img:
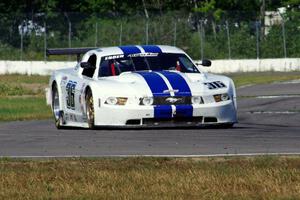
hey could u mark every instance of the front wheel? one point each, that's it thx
(58, 115)
(90, 112)
(227, 125)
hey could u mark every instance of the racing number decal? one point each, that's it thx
(70, 97)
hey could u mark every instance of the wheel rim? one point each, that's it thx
(56, 104)
(90, 109)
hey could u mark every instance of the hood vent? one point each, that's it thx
(215, 85)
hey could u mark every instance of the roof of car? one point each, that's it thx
(132, 49)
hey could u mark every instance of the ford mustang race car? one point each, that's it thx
(139, 86)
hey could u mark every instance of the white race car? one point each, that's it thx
(139, 86)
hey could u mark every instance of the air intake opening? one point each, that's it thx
(133, 122)
(210, 119)
(173, 121)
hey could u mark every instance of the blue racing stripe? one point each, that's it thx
(162, 111)
(157, 86)
(151, 49)
(127, 50)
(179, 83)
(184, 111)
(156, 83)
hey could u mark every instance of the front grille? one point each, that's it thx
(176, 100)
(210, 119)
(173, 121)
(133, 122)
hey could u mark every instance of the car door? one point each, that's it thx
(74, 92)
(71, 89)
(84, 80)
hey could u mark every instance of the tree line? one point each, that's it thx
(126, 20)
(213, 8)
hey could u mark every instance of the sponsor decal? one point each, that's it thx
(113, 57)
(70, 94)
(143, 55)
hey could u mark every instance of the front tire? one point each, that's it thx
(57, 113)
(227, 125)
(90, 112)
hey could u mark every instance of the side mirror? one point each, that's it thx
(86, 65)
(206, 63)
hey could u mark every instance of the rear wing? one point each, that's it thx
(69, 51)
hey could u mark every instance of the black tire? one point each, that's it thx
(58, 114)
(227, 125)
(90, 112)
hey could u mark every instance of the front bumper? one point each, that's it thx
(143, 116)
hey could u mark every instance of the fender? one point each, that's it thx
(57, 78)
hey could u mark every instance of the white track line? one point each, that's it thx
(149, 155)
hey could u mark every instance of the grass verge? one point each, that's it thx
(151, 178)
(22, 97)
(18, 85)
(23, 108)
(254, 78)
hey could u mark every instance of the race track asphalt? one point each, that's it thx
(269, 123)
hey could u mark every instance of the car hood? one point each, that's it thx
(148, 83)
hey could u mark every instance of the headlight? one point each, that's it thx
(225, 97)
(221, 97)
(116, 100)
(197, 100)
(147, 101)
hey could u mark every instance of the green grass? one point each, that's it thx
(151, 178)
(23, 108)
(252, 78)
(19, 79)
(19, 85)
(23, 97)
(16, 90)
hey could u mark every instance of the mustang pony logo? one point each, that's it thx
(172, 99)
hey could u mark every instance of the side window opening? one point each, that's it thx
(89, 72)
(189, 66)
(109, 68)
(112, 67)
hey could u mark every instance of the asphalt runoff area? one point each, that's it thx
(269, 123)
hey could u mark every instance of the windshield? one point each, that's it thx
(116, 64)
